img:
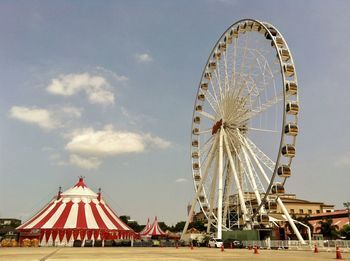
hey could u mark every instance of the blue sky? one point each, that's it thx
(125, 73)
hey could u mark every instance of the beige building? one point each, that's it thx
(295, 206)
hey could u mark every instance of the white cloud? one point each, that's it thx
(71, 112)
(108, 142)
(83, 162)
(180, 180)
(117, 77)
(95, 87)
(143, 58)
(45, 118)
(41, 117)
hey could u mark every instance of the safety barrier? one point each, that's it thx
(324, 245)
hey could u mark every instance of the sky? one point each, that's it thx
(105, 90)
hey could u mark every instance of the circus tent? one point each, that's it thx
(76, 214)
(153, 230)
(146, 228)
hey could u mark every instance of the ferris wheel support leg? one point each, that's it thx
(290, 220)
(235, 175)
(220, 193)
(251, 177)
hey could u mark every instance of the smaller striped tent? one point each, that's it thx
(148, 226)
(153, 230)
(76, 214)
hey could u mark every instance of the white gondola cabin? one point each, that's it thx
(201, 97)
(271, 205)
(288, 150)
(292, 108)
(207, 75)
(277, 188)
(195, 131)
(195, 155)
(197, 120)
(263, 219)
(222, 47)
(195, 143)
(291, 129)
(199, 108)
(195, 166)
(291, 88)
(284, 54)
(284, 171)
(288, 69)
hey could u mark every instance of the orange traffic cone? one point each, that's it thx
(337, 253)
(256, 250)
(316, 249)
(222, 248)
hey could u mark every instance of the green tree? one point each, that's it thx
(302, 229)
(327, 229)
(163, 226)
(345, 232)
(199, 225)
(179, 227)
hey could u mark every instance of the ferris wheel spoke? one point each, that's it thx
(212, 195)
(259, 129)
(264, 107)
(207, 115)
(259, 156)
(213, 102)
(218, 79)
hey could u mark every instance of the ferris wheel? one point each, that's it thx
(244, 128)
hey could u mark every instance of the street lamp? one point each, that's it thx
(347, 206)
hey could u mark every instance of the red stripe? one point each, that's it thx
(82, 234)
(81, 222)
(48, 216)
(36, 216)
(117, 216)
(68, 234)
(61, 235)
(61, 221)
(99, 221)
(54, 235)
(117, 225)
(47, 235)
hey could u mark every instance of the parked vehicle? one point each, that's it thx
(233, 242)
(215, 242)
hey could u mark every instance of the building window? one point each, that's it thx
(328, 210)
(292, 211)
(301, 211)
(309, 211)
(318, 211)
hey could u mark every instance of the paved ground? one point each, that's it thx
(155, 254)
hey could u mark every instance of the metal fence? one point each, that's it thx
(327, 245)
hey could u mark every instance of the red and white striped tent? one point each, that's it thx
(78, 213)
(146, 228)
(153, 230)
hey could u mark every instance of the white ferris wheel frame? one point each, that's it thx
(221, 141)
